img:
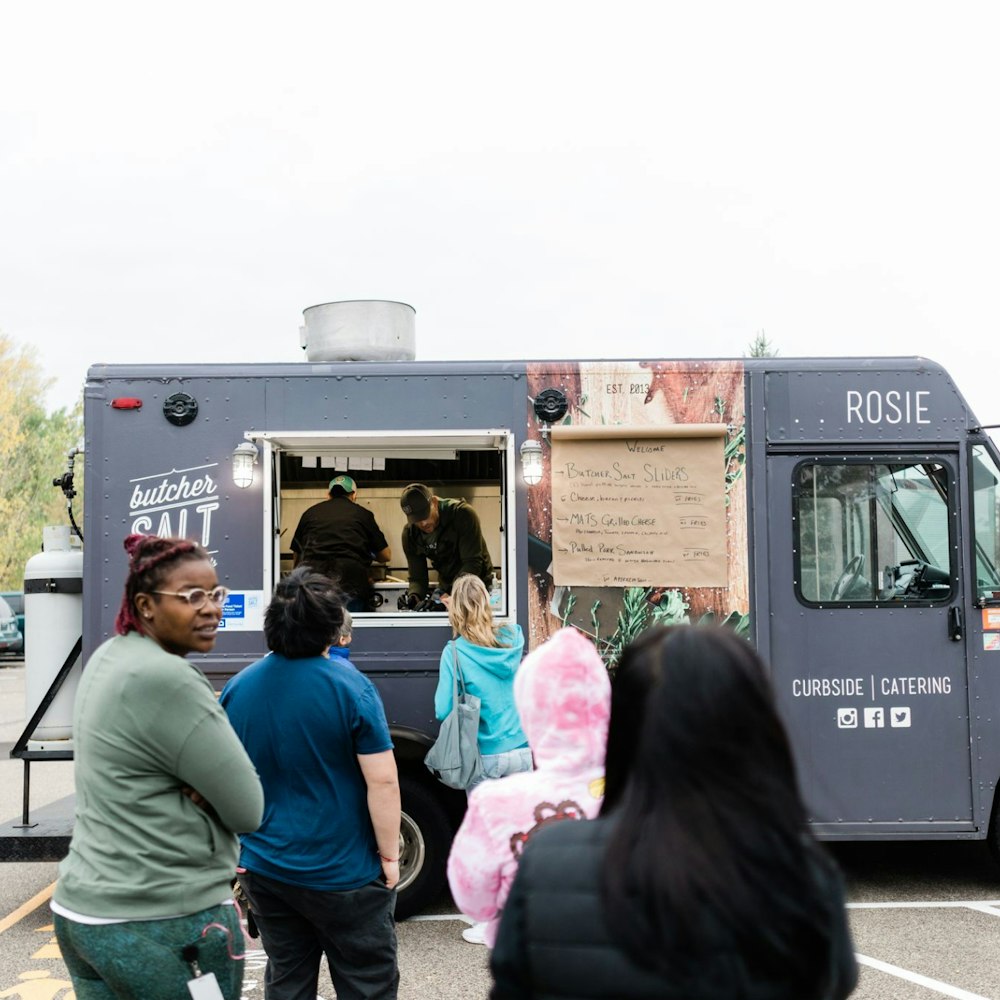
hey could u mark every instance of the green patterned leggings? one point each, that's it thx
(141, 959)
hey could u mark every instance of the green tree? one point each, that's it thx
(33, 449)
(761, 347)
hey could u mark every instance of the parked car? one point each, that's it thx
(11, 637)
(15, 598)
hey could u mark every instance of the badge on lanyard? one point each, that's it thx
(201, 987)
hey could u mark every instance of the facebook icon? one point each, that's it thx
(874, 718)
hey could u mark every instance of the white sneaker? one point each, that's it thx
(476, 934)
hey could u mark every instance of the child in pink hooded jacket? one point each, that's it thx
(563, 695)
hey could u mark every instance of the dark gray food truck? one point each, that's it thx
(842, 513)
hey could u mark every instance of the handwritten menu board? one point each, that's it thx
(639, 506)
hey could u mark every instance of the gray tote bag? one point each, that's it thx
(454, 759)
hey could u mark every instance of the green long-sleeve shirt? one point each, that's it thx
(145, 724)
(454, 547)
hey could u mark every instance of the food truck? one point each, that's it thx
(841, 513)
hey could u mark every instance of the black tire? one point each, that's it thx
(425, 839)
(993, 831)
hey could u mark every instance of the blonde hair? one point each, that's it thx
(470, 614)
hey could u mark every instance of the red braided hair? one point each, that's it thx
(150, 560)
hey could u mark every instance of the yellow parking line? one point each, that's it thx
(25, 908)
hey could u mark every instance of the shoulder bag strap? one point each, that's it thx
(459, 679)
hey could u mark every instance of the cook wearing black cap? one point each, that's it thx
(340, 538)
(447, 533)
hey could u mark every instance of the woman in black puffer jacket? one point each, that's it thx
(700, 879)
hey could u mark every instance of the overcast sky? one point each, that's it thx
(177, 182)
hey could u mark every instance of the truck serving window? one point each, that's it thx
(469, 465)
(986, 528)
(872, 532)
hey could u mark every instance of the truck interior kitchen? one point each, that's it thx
(468, 465)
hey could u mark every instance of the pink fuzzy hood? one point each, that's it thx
(563, 696)
(564, 699)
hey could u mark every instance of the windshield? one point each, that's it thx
(986, 529)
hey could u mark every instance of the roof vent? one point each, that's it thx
(359, 330)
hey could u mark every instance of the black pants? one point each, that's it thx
(354, 929)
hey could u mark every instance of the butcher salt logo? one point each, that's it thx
(178, 503)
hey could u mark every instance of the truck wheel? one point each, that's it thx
(425, 838)
(993, 833)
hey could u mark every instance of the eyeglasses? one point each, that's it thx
(197, 597)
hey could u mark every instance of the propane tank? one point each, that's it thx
(53, 621)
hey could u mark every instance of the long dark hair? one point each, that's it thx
(151, 560)
(305, 614)
(709, 839)
(637, 675)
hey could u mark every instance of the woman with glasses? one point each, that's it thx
(163, 786)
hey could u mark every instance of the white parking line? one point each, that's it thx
(914, 977)
(439, 916)
(974, 904)
(988, 906)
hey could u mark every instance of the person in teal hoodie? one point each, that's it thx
(489, 655)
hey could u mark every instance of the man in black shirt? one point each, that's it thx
(447, 533)
(340, 538)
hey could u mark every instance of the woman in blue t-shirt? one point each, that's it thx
(320, 870)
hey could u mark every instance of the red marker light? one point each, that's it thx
(126, 403)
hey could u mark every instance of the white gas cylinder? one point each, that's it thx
(53, 621)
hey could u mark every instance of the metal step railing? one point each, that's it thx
(20, 748)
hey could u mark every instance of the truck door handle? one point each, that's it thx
(955, 624)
